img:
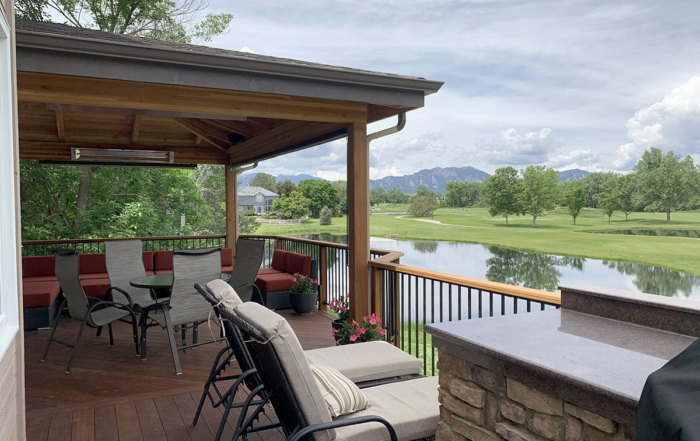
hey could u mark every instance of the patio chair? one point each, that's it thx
(249, 257)
(90, 311)
(185, 309)
(367, 364)
(124, 259)
(406, 410)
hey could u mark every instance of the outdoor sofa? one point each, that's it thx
(275, 282)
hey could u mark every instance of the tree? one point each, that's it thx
(344, 206)
(609, 199)
(665, 181)
(423, 190)
(377, 196)
(342, 188)
(320, 193)
(285, 187)
(247, 224)
(326, 215)
(293, 206)
(593, 186)
(575, 200)
(503, 191)
(463, 194)
(159, 19)
(627, 192)
(265, 181)
(422, 206)
(539, 190)
(395, 196)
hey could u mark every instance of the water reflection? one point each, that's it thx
(539, 271)
(693, 234)
(657, 280)
(425, 247)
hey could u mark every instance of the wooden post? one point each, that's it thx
(358, 219)
(322, 279)
(231, 208)
(378, 292)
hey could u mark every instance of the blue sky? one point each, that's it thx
(570, 84)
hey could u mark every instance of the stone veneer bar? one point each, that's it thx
(570, 374)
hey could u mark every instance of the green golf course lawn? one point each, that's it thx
(555, 233)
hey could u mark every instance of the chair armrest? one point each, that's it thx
(296, 436)
(109, 295)
(256, 290)
(108, 303)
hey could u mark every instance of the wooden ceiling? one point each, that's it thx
(54, 117)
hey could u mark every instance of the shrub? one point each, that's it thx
(423, 206)
(325, 218)
(249, 213)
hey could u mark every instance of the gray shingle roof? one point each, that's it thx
(252, 191)
(29, 26)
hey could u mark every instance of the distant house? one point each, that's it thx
(257, 199)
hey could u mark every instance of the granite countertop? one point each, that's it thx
(604, 356)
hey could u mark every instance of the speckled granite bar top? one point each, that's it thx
(603, 356)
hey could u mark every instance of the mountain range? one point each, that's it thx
(435, 178)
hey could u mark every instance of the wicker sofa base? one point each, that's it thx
(276, 299)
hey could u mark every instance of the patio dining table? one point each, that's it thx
(164, 281)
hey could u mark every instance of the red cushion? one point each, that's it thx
(299, 263)
(226, 257)
(38, 266)
(39, 294)
(93, 264)
(163, 271)
(95, 287)
(148, 260)
(149, 273)
(40, 279)
(227, 269)
(94, 276)
(279, 260)
(274, 282)
(267, 271)
(163, 261)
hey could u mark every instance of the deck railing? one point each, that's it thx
(405, 297)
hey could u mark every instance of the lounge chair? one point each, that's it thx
(399, 411)
(367, 364)
(91, 311)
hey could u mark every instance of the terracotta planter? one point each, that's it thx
(303, 303)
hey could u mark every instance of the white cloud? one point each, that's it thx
(378, 173)
(333, 175)
(670, 124)
(513, 148)
(246, 49)
(574, 159)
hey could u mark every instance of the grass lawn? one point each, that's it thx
(554, 233)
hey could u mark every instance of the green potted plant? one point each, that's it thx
(341, 308)
(303, 294)
(369, 329)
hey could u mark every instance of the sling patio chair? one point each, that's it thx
(249, 258)
(185, 309)
(366, 364)
(124, 259)
(90, 311)
(399, 411)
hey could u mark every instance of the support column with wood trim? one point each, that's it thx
(231, 208)
(358, 219)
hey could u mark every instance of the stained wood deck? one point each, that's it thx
(111, 395)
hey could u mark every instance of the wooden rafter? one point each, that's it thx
(38, 87)
(201, 131)
(135, 129)
(60, 126)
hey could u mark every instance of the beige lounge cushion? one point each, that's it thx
(366, 361)
(342, 396)
(224, 293)
(411, 407)
(293, 361)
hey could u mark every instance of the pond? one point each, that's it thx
(693, 234)
(534, 270)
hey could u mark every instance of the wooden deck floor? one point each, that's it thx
(111, 395)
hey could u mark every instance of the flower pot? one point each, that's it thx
(337, 324)
(303, 302)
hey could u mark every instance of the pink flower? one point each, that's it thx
(382, 332)
(354, 323)
(379, 320)
(364, 319)
(302, 277)
(334, 331)
(353, 337)
(362, 330)
(372, 321)
(343, 309)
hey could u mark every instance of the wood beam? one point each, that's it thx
(282, 137)
(135, 129)
(60, 126)
(60, 151)
(198, 140)
(51, 88)
(196, 128)
(358, 220)
(231, 184)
